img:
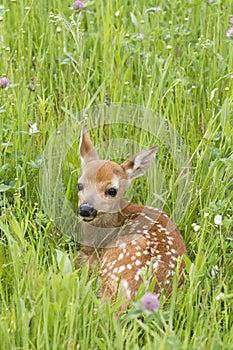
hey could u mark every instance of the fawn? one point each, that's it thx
(127, 238)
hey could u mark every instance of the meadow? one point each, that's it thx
(174, 58)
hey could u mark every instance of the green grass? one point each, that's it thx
(60, 61)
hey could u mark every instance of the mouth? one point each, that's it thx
(89, 219)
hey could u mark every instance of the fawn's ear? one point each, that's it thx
(138, 164)
(86, 149)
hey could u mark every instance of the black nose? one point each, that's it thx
(87, 211)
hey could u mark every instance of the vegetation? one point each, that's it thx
(174, 58)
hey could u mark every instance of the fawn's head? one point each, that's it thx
(103, 183)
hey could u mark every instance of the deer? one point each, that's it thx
(125, 239)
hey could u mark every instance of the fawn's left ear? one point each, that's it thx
(138, 164)
(86, 149)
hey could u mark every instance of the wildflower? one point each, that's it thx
(220, 296)
(196, 228)
(231, 20)
(33, 129)
(218, 219)
(150, 301)
(4, 82)
(210, 1)
(229, 33)
(157, 8)
(214, 271)
(79, 5)
(140, 36)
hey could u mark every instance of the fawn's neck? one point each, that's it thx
(108, 226)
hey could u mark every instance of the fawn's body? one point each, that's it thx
(126, 239)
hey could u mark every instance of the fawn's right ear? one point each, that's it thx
(86, 149)
(139, 164)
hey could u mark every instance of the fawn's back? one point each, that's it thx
(128, 240)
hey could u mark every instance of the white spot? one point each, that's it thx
(129, 266)
(138, 247)
(122, 245)
(121, 256)
(138, 253)
(125, 283)
(145, 226)
(121, 268)
(140, 271)
(104, 261)
(145, 252)
(148, 218)
(133, 257)
(138, 262)
(136, 278)
(173, 251)
(104, 271)
(172, 265)
(133, 242)
(155, 265)
(127, 291)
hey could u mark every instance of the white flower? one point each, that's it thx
(220, 296)
(214, 271)
(218, 219)
(196, 228)
(33, 129)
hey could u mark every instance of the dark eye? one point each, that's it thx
(112, 192)
(80, 187)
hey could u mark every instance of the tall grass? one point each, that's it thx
(60, 61)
